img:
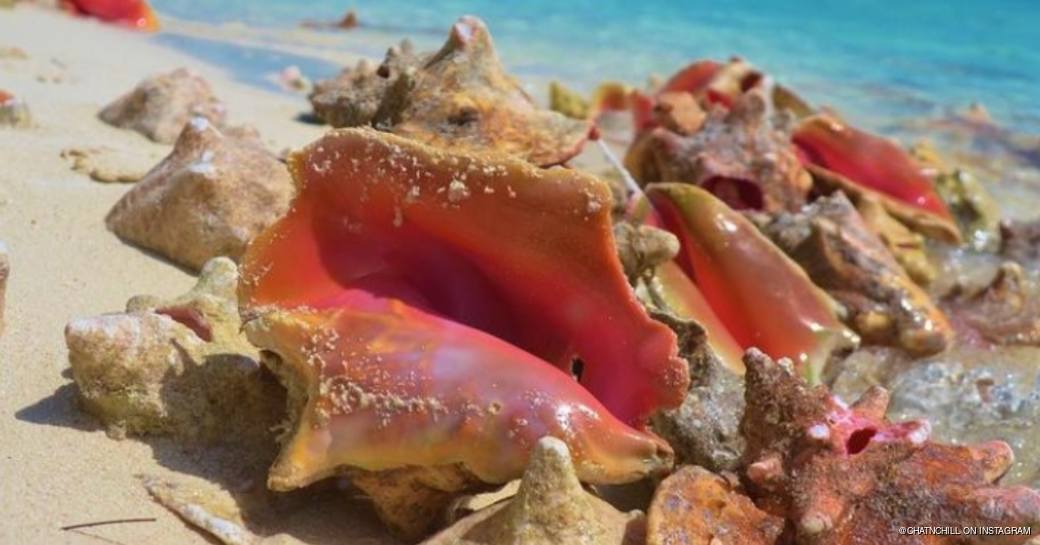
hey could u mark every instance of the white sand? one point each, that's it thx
(57, 467)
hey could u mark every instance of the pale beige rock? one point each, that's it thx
(160, 105)
(179, 367)
(208, 198)
(550, 508)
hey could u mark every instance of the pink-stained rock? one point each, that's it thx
(208, 198)
(160, 105)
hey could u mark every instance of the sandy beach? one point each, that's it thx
(59, 468)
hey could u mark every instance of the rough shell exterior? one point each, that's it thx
(697, 507)
(832, 243)
(1005, 312)
(208, 198)
(458, 98)
(738, 155)
(353, 97)
(179, 367)
(845, 475)
(160, 105)
(704, 430)
(550, 508)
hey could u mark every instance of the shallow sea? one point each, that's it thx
(877, 62)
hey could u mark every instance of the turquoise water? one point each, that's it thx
(878, 62)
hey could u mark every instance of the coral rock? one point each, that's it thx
(832, 243)
(737, 155)
(696, 507)
(160, 105)
(13, 111)
(178, 367)
(208, 198)
(840, 473)
(550, 508)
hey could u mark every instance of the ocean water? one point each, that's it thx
(877, 62)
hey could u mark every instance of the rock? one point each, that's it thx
(694, 506)
(160, 105)
(208, 198)
(14, 112)
(550, 508)
(179, 367)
